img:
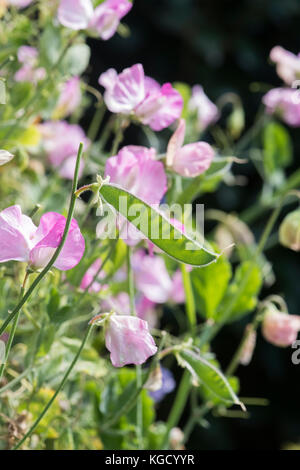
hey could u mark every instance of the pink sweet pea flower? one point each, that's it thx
(21, 240)
(128, 340)
(107, 16)
(287, 64)
(188, 160)
(131, 92)
(207, 111)
(29, 72)
(89, 276)
(145, 308)
(286, 103)
(69, 99)
(60, 141)
(75, 14)
(280, 329)
(153, 279)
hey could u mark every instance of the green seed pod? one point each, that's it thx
(289, 231)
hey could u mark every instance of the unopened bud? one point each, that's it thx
(289, 231)
(249, 346)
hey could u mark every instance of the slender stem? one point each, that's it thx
(96, 122)
(190, 301)
(61, 385)
(13, 329)
(35, 283)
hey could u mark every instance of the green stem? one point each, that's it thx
(13, 330)
(190, 301)
(35, 283)
(61, 385)
(96, 122)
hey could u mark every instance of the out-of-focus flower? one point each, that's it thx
(128, 340)
(286, 103)
(287, 64)
(131, 92)
(5, 157)
(188, 160)
(60, 141)
(107, 17)
(29, 72)
(153, 279)
(19, 3)
(176, 439)
(136, 170)
(289, 231)
(145, 310)
(207, 111)
(87, 279)
(69, 98)
(21, 240)
(103, 21)
(168, 385)
(279, 328)
(249, 346)
(120, 303)
(75, 14)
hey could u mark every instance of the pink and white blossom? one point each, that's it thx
(107, 16)
(285, 102)
(130, 92)
(188, 160)
(75, 14)
(287, 64)
(29, 72)
(69, 98)
(19, 3)
(207, 112)
(153, 280)
(21, 240)
(128, 340)
(60, 141)
(280, 329)
(87, 279)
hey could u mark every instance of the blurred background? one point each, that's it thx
(224, 46)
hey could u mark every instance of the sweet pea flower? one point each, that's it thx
(5, 157)
(286, 103)
(128, 340)
(75, 14)
(188, 160)
(21, 240)
(69, 99)
(132, 93)
(145, 308)
(280, 329)
(29, 72)
(207, 111)
(103, 21)
(153, 279)
(107, 17)
(287, 64)
(60, 141)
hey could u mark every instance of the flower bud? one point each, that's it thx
(176, 439)
(279, 328)
(249, 346)
(289, 231)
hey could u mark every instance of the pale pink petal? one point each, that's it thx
(75, 14)
(207, 111)
(16, 234)
(193, 159)
(280, 329)
(128, 340)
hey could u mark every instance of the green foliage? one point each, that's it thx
(278, 149)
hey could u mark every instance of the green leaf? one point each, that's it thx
(150, 221)
(50, 45)
(277, 147)
(76, 59)
(185, 90)
(246, 292)
(210, 285)
(206, 373)
(209, 396)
